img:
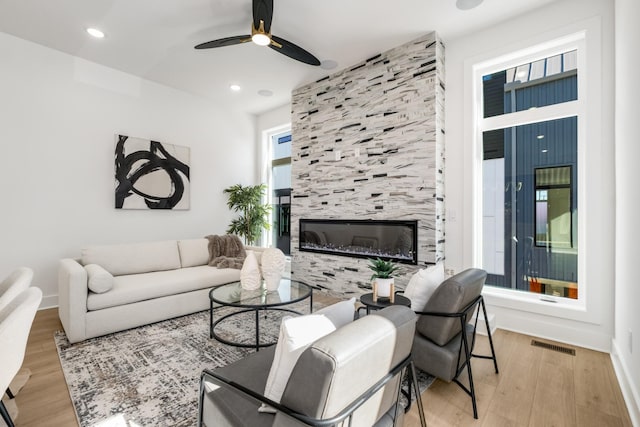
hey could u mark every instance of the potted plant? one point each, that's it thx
(253, 213)
(382, 277)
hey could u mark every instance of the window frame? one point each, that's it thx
(576, 40)
(267, 175)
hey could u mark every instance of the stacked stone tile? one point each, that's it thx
(368, 143)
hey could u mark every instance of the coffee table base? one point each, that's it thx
(257, 345)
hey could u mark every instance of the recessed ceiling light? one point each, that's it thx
(545, 151)
(265, 92)
(540, 136)
(467, 4)
(235, 88)
(95, 33)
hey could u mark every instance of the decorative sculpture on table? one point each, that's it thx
(273, 263)
(250, 277)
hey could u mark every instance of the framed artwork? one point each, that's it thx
(151, 174)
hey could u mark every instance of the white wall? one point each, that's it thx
(591, 327)
(627, 319)
(58, 117)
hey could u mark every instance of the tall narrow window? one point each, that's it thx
(529, 170)
(281, 190)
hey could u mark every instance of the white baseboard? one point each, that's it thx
(629, 390)
(482, 327)
(48, 301)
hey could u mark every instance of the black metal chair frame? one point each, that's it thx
(346, 413)
(5, 414)
(464, 317)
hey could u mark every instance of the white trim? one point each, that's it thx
(266, 175)
(536, 115)
(48, 301)
(474, 71)
(629, 391)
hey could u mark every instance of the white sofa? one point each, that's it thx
(135, 284)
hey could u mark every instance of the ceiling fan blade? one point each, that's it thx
(227, 41)
(293, 51)
(262, 11)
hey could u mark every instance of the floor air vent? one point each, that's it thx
(565, 350)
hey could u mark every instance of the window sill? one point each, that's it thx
(547, 305)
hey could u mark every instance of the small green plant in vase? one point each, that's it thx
(382, 278)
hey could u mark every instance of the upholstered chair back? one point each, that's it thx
(18, 281)
(15, 323)
(343, 365)
(452, 296)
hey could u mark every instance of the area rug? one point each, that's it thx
(149, 376)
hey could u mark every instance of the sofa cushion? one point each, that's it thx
(132, 288)
(134, 258)
(100, 280)
(193, 252)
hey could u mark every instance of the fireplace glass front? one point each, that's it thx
(392, 240)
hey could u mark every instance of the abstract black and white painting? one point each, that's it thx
(151, 174)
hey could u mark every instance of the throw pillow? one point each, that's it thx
(422, 285)
(296, 334)
(340, 313)
(100, 280)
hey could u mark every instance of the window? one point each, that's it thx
(529, 144)
(280, 189)
(553, 214)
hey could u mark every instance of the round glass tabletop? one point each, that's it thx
(233, 295)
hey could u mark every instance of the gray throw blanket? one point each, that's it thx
(226, 251)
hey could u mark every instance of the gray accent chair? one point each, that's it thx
(439, 346)
(349, 377)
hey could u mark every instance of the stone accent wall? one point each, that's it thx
(368, 143)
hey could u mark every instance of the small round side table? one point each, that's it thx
(367, 300)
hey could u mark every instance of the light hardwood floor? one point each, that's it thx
(535, 387)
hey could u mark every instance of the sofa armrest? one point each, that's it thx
(72, 298)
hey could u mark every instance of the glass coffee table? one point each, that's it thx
(259, 301)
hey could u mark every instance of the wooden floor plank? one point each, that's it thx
(592, 384)
(573, 391)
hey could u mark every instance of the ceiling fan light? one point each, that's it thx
(261, 39)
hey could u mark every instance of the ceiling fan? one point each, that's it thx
(261, 35)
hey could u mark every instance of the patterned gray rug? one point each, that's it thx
(149, 376)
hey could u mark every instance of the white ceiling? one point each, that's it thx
(154, 39)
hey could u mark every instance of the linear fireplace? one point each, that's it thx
(394, 240)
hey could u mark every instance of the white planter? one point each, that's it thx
(273, 263)
(250, 278)
(384, 287)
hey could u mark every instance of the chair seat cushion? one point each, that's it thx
(439, 361)
(225, 407)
